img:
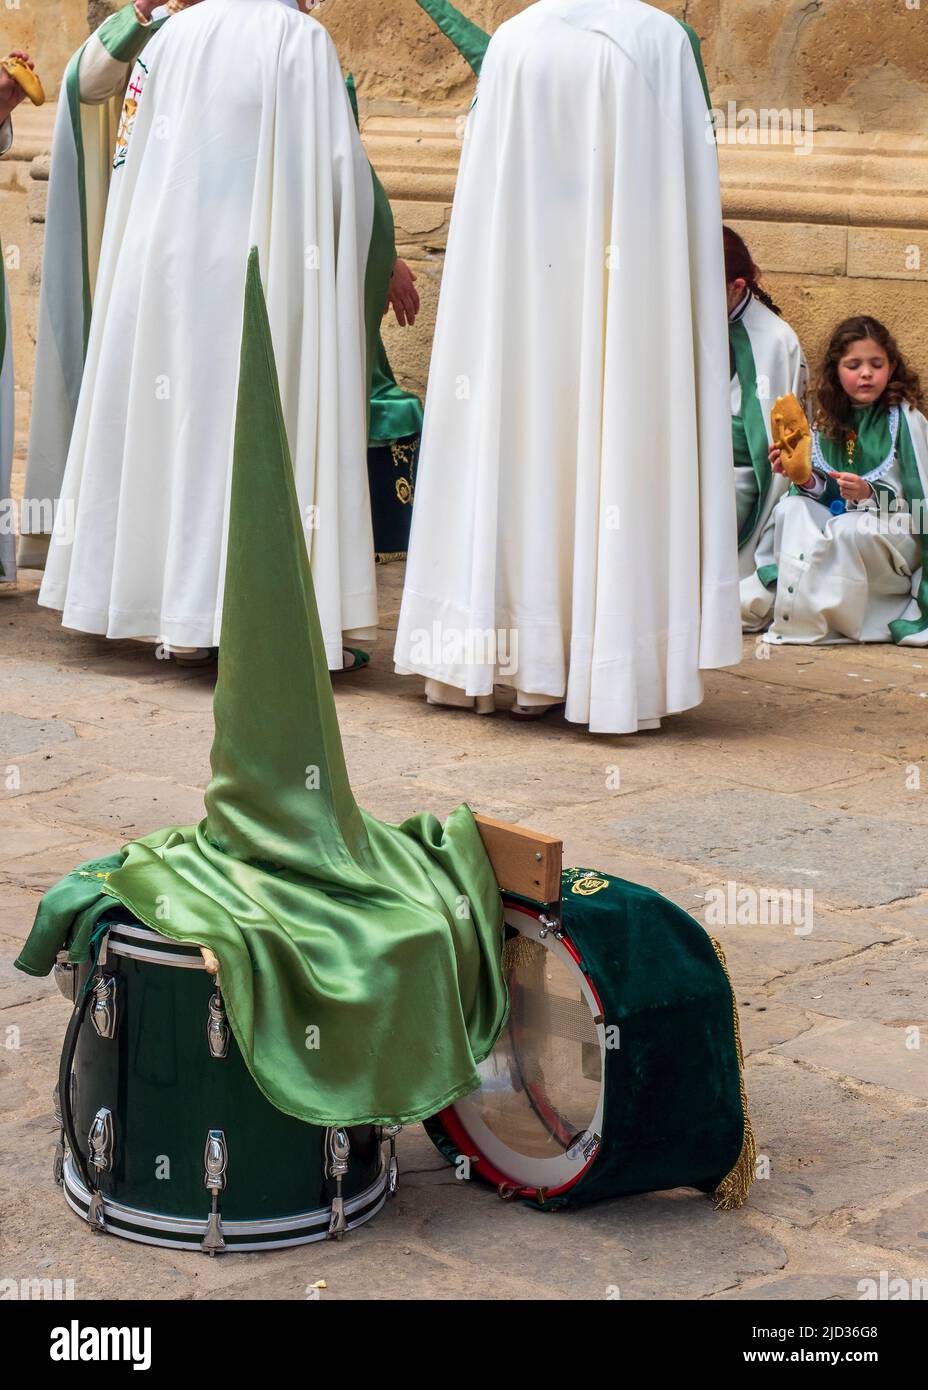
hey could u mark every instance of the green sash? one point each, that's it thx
(915, 493)
(753, 429)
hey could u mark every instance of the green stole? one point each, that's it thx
(749, 430)
(384, 940)
(393, 413)
(124, 39)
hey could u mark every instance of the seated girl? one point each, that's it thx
(850, 544)
(766, 362)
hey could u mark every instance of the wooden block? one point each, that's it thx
(524, 861)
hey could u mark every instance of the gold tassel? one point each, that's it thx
(733, 1190)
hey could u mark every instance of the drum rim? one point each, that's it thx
(455, 1123)
(122, 939)
(78, 1199)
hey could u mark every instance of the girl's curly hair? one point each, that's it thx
(833, 416)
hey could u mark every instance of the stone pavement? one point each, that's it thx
(804, 771)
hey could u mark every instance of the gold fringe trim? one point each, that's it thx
(733, 1190)
(383, 557)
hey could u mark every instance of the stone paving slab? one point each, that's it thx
(871, 1052)
(787, 842)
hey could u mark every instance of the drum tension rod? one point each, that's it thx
(393, 1179)
(338, 1153)
(216, 1161)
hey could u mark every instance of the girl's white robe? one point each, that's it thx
(575, 490)
(847, 578)
(781, 369)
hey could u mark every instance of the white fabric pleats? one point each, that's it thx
(243, 137)
(575, 491)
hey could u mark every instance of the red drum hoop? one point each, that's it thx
(534, 1128)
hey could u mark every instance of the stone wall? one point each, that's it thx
(837, 230)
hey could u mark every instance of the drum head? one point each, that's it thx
(536, 1120)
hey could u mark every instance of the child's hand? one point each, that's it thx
(774, 456)
(852, 488)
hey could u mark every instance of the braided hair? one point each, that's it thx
(739, 265)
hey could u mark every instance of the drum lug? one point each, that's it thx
(100, 1143)
(550, 924)
(338, 1153)
(100, 1140)
(217, 1027)
(103, 1011)
(66, 976)
(393, 1177)
(216, 1163)
(58, 1164)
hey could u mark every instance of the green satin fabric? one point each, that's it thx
(468, 38)
(395, 414)
(360, 961)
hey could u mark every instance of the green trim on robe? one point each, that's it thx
(393, 413)
(468, 38)
(697, 54)
(753, 424)
(914, 492)
(124, 39)
(874, 437)
(320, 915)
(873, 441)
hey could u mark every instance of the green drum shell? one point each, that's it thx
(166, 1091)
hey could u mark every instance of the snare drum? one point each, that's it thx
(165, 1137)
(620, 1068)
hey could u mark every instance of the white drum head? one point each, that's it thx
(538, 1115)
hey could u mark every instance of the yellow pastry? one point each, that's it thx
(29, 81)
(793, 437)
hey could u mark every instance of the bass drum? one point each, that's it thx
(165, 1137)
(619, 1070)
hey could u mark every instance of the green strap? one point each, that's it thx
(915, 493)
(752, 418)
(124, 38)
(352, 89)
(697, 54)
(468, 38)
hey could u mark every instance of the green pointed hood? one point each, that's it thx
(279, 793)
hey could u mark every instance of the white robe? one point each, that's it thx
(243, 136)
(846, 578)
(781, 369)
(575, 493)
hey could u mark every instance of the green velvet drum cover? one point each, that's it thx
(620, 1070)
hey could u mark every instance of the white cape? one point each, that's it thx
(575, 488)
(243, 136)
